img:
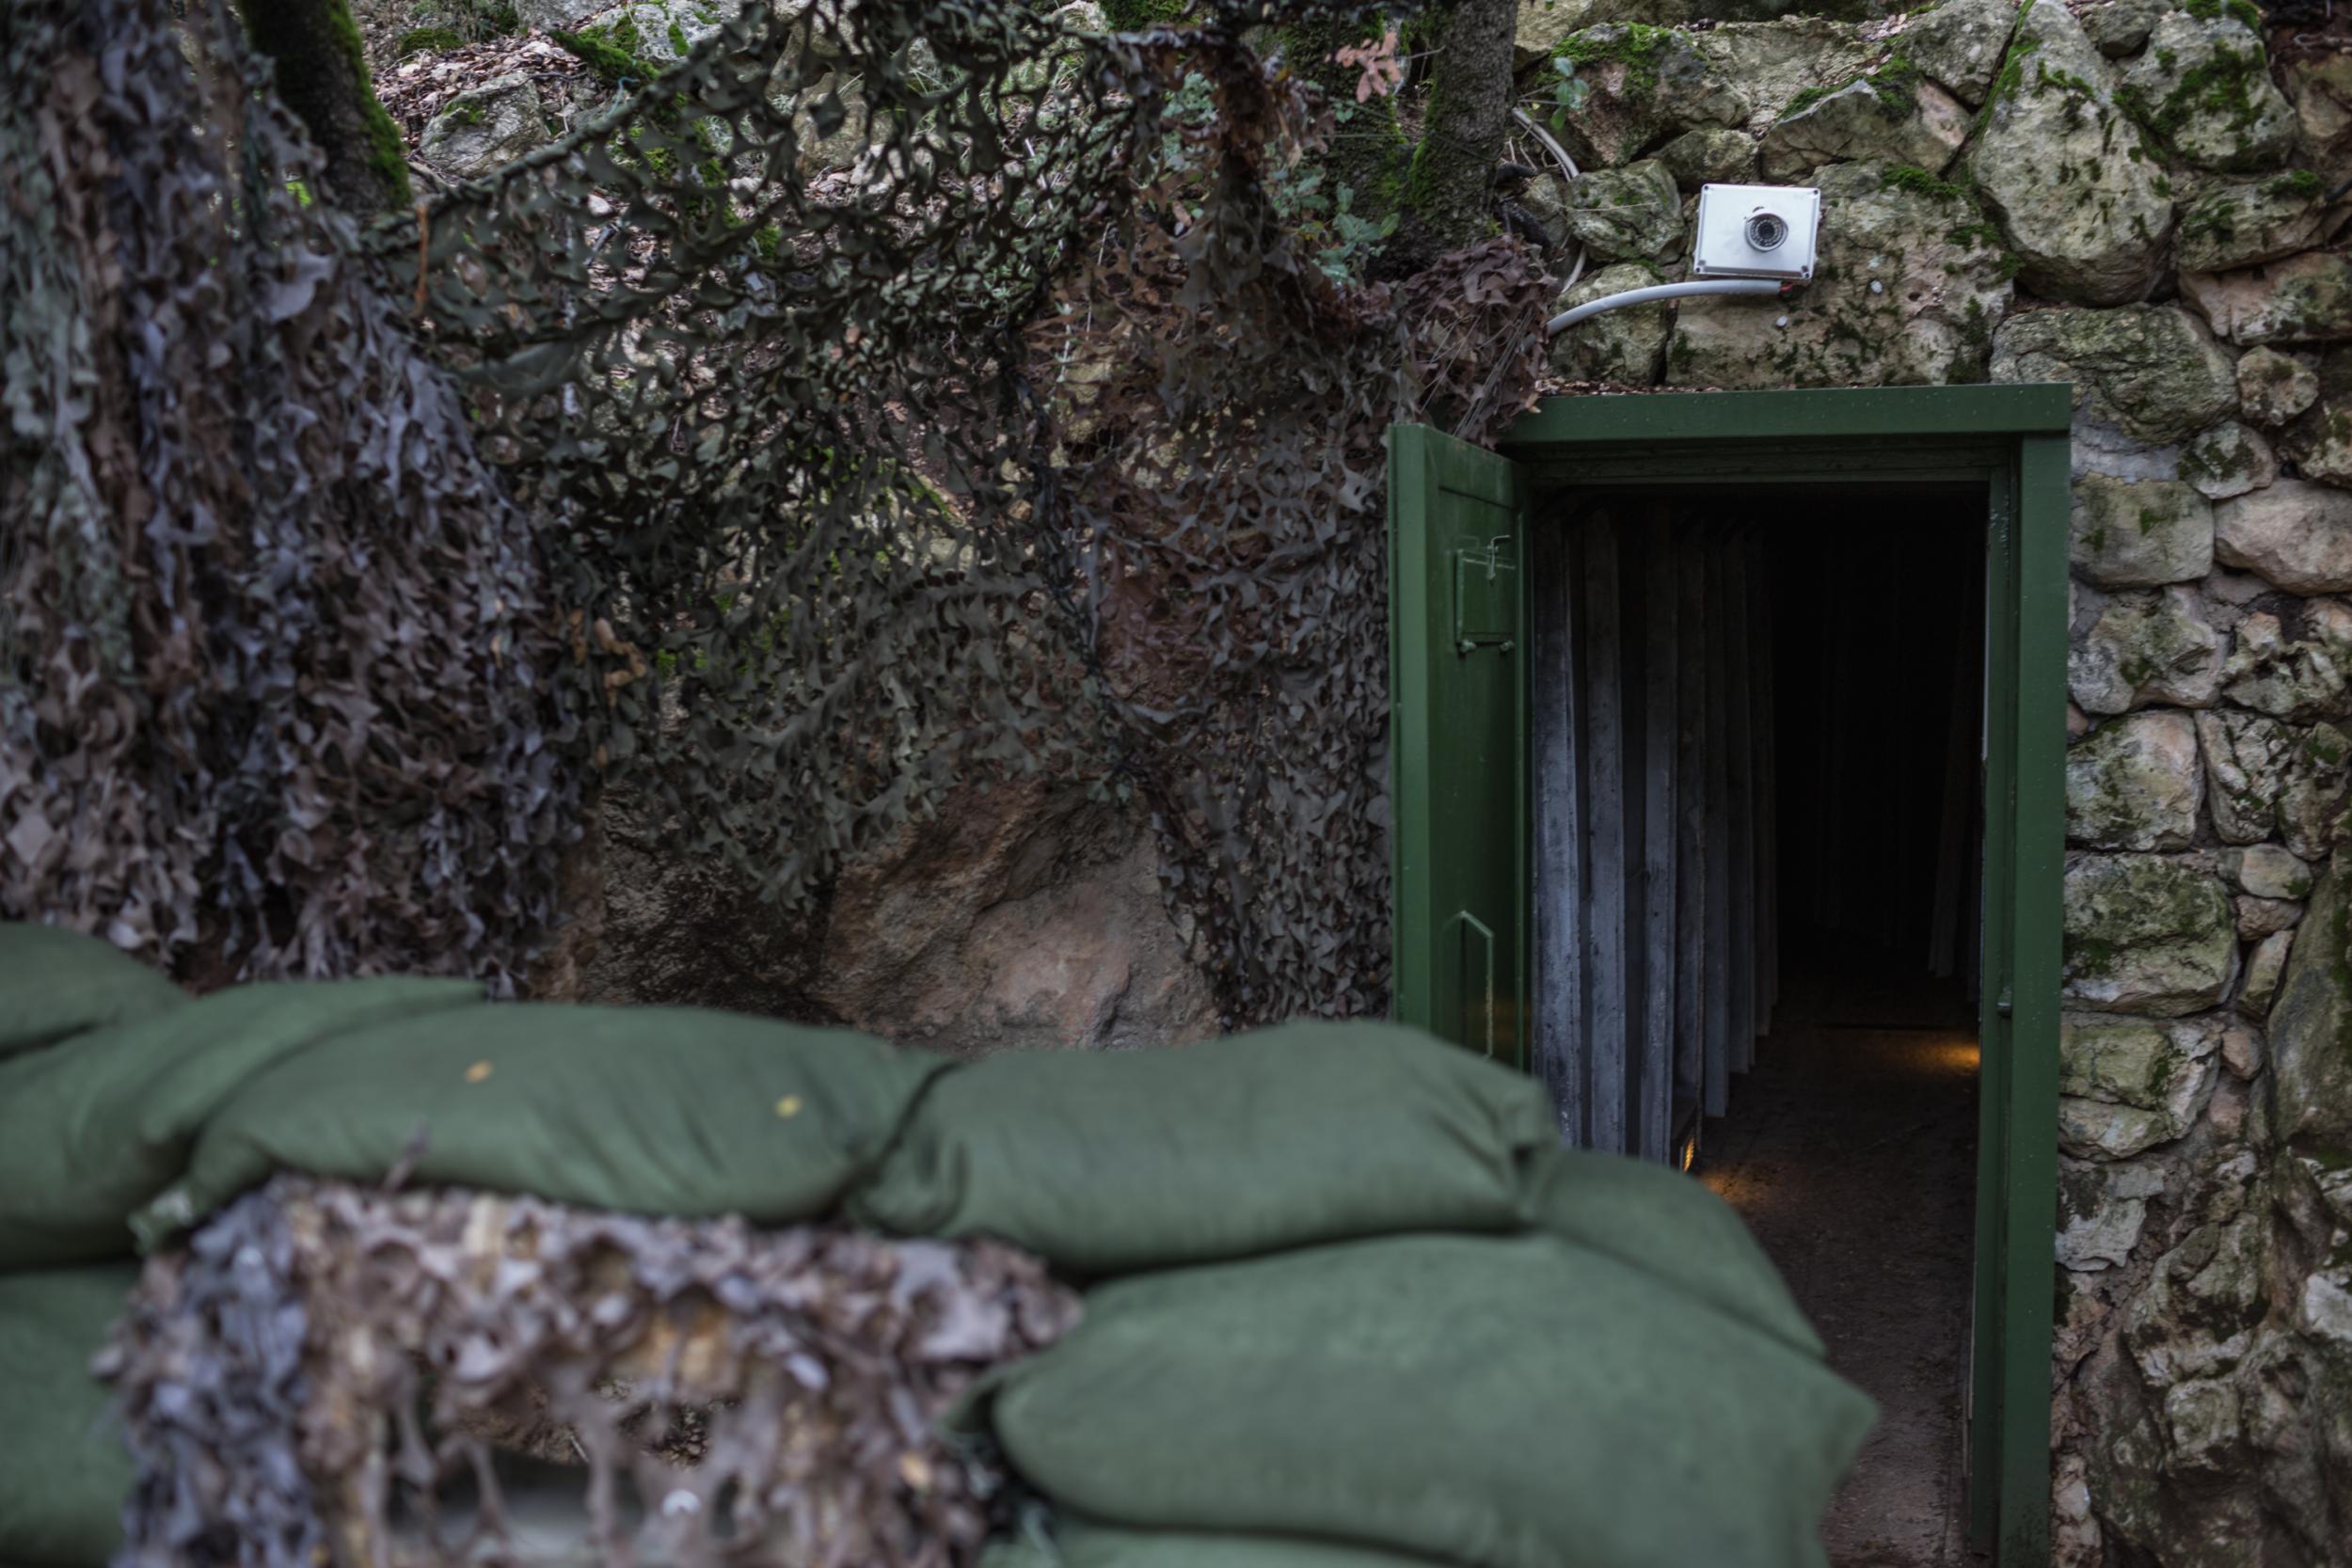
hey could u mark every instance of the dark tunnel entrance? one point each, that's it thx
(1757, 757)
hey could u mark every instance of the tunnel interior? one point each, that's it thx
(1756, 750)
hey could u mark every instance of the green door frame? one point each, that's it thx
(2011, 439)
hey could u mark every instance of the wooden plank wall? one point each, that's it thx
(1656, 935)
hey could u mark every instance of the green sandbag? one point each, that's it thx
(56, 983)
(653, 1110)
(1134, 1160)
(1079, 1545)
(1499, 1402)
(94, 1129)
(64, 1471)
(1668, 1225)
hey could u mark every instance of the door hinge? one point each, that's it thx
(2002, 1003)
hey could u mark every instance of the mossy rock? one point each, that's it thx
(2228, 459)
(2141, 533)
(2080, 192)
(2144, 372)
(2134, 783)
(2311, 1021)
(1625, 346)
(1633, 213)
(2203, 90)
(2128, 1085)
(1711, 154)
(2146, 648)
(1644, 85)
(2147, 935)
(2294, 665)
(2247, 759)
(2242, 223)
(1893, 116)
(1960, 44)
(2274, 388)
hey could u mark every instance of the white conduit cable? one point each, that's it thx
(1664, 290)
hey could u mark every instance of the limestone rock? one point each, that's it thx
(2120, 28)
(547, 15)
(2320, 87)
(1544, 24)
(2144, 372)
(2204, 88)
(2311, 798)
(1905, 293)
(2267, 871)
(1630, 213)
(1889, 118)
(2242, 1050)
(2310, 1022)
(1775, 61)
(2101, 1210)
(2295, 664)
(2258, 918)
(1644, 86)
(2273, 387)
(1624, 347)
(2080, 197)
(2146, 648)
(2294, 536)
(1022, 916)
(2228, 460)
(484, 128)
(1960, 44)
(2319, 443)
(2147, 935)
(2127, 1086)
(2246, 762)
(2240, 225)
(2139, 535)
(2303, 299)
(1711, 154)
(2134, 783)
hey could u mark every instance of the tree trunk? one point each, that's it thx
(1449, 190)
(323, 77)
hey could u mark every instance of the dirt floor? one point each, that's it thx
(1850, 1150)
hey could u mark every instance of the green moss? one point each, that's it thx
(679, 43)
(2295, 182)
(2224, 85)
(1634, 45)
(1896, 85)
(2241, 11)
(1132, 16)
(602, 51)
(2011, 80)
(1918, 181)
(415, 41)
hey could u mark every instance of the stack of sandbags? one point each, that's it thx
(64, 1472)
(1350, 1305)
(1343, 1292)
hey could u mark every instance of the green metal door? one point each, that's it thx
(1458, 649)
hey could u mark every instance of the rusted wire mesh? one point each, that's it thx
(328, 1374)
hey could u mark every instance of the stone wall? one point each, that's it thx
(2129, 196)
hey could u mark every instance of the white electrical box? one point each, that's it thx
(1757, 231)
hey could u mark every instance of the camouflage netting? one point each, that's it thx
(1050, 437)
(326, 1371)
